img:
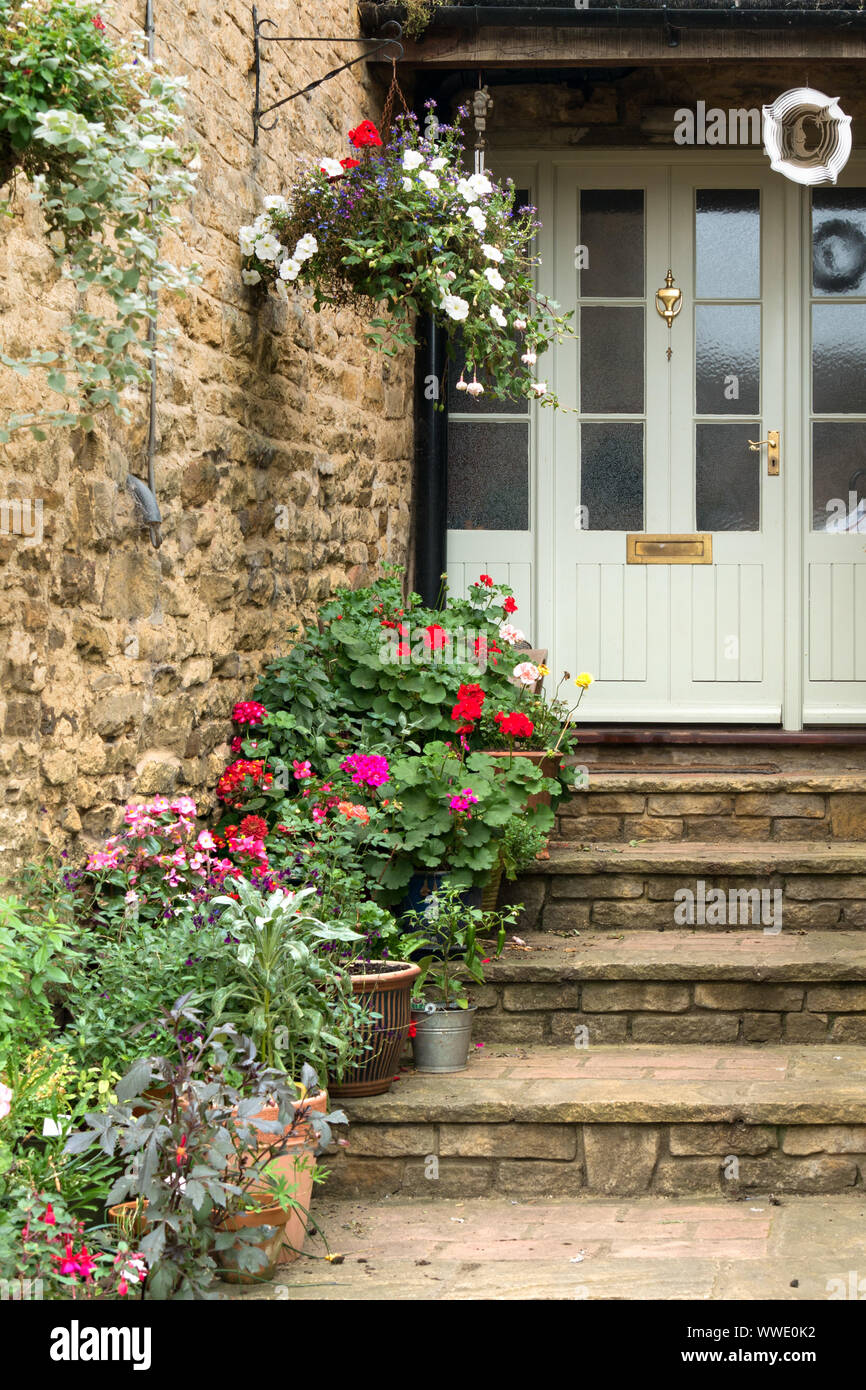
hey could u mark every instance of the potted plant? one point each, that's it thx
(442, 1014)
(521, 843)
(286, 985)
(271, 1218)
(384, 975)
(195, 1156)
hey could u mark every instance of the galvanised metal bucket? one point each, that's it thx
(441, 1041)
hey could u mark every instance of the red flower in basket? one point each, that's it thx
(413, 1030)
(365, 134)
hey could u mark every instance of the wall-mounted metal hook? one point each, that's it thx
(259, 112)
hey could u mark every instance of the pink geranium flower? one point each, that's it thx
(367, 769)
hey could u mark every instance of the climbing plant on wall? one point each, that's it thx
(95, 126)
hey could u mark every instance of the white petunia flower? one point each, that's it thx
(530, 358)
(497, 316)
(492, 253)
(407, 185)
(440, 162)
(290, 268)
(250, 277)
(306, 247)
(247, 239)
(466, 191)
(480, 184)
(412, 159)
(494, 279)
(275, 203)
(268, 247)
(262, 224)
(429, 180)
(333, 168)
(455, 307)
(477, 218)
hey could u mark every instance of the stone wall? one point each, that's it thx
(120, 662)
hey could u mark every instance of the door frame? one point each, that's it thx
(539, 168)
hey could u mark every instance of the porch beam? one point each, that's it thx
(558, 47)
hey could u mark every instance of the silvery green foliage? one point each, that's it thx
(108, 201)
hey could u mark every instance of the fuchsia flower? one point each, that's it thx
(367, 769)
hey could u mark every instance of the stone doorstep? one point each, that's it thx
(682, 955)
(532, 1121)
(769, 1085)
(676, 988)
(732, 782)
(699, 858)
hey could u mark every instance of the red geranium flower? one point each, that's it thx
(364, 134)
(516, 725)
(98, 22)
(350, 163)
(413, 1030)
(435, 637)
(509, 605)
(485, 580)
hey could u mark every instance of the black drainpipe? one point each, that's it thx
(431, 462)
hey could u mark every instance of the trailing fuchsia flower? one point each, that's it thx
(462, 802)
(367, 769)
(249, 712)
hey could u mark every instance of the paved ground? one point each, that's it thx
(804, 1248)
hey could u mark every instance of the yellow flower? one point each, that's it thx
(584, 680)
(544, 670)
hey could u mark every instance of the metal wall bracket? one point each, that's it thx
(259, 112)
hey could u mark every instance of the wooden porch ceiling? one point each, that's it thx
(554, 47)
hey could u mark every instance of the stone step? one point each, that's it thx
(766, 750)
(676, 987)
(712, 805)
(616, 1121)
(634, 887)
(586, 1248)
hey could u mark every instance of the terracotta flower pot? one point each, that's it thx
(272, 1222)
(297, 1165)
(388, 986)
(548, 762)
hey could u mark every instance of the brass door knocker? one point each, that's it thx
(668, 303)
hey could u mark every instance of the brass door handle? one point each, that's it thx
(772, 443)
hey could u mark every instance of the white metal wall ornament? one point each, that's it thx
(807, 136)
